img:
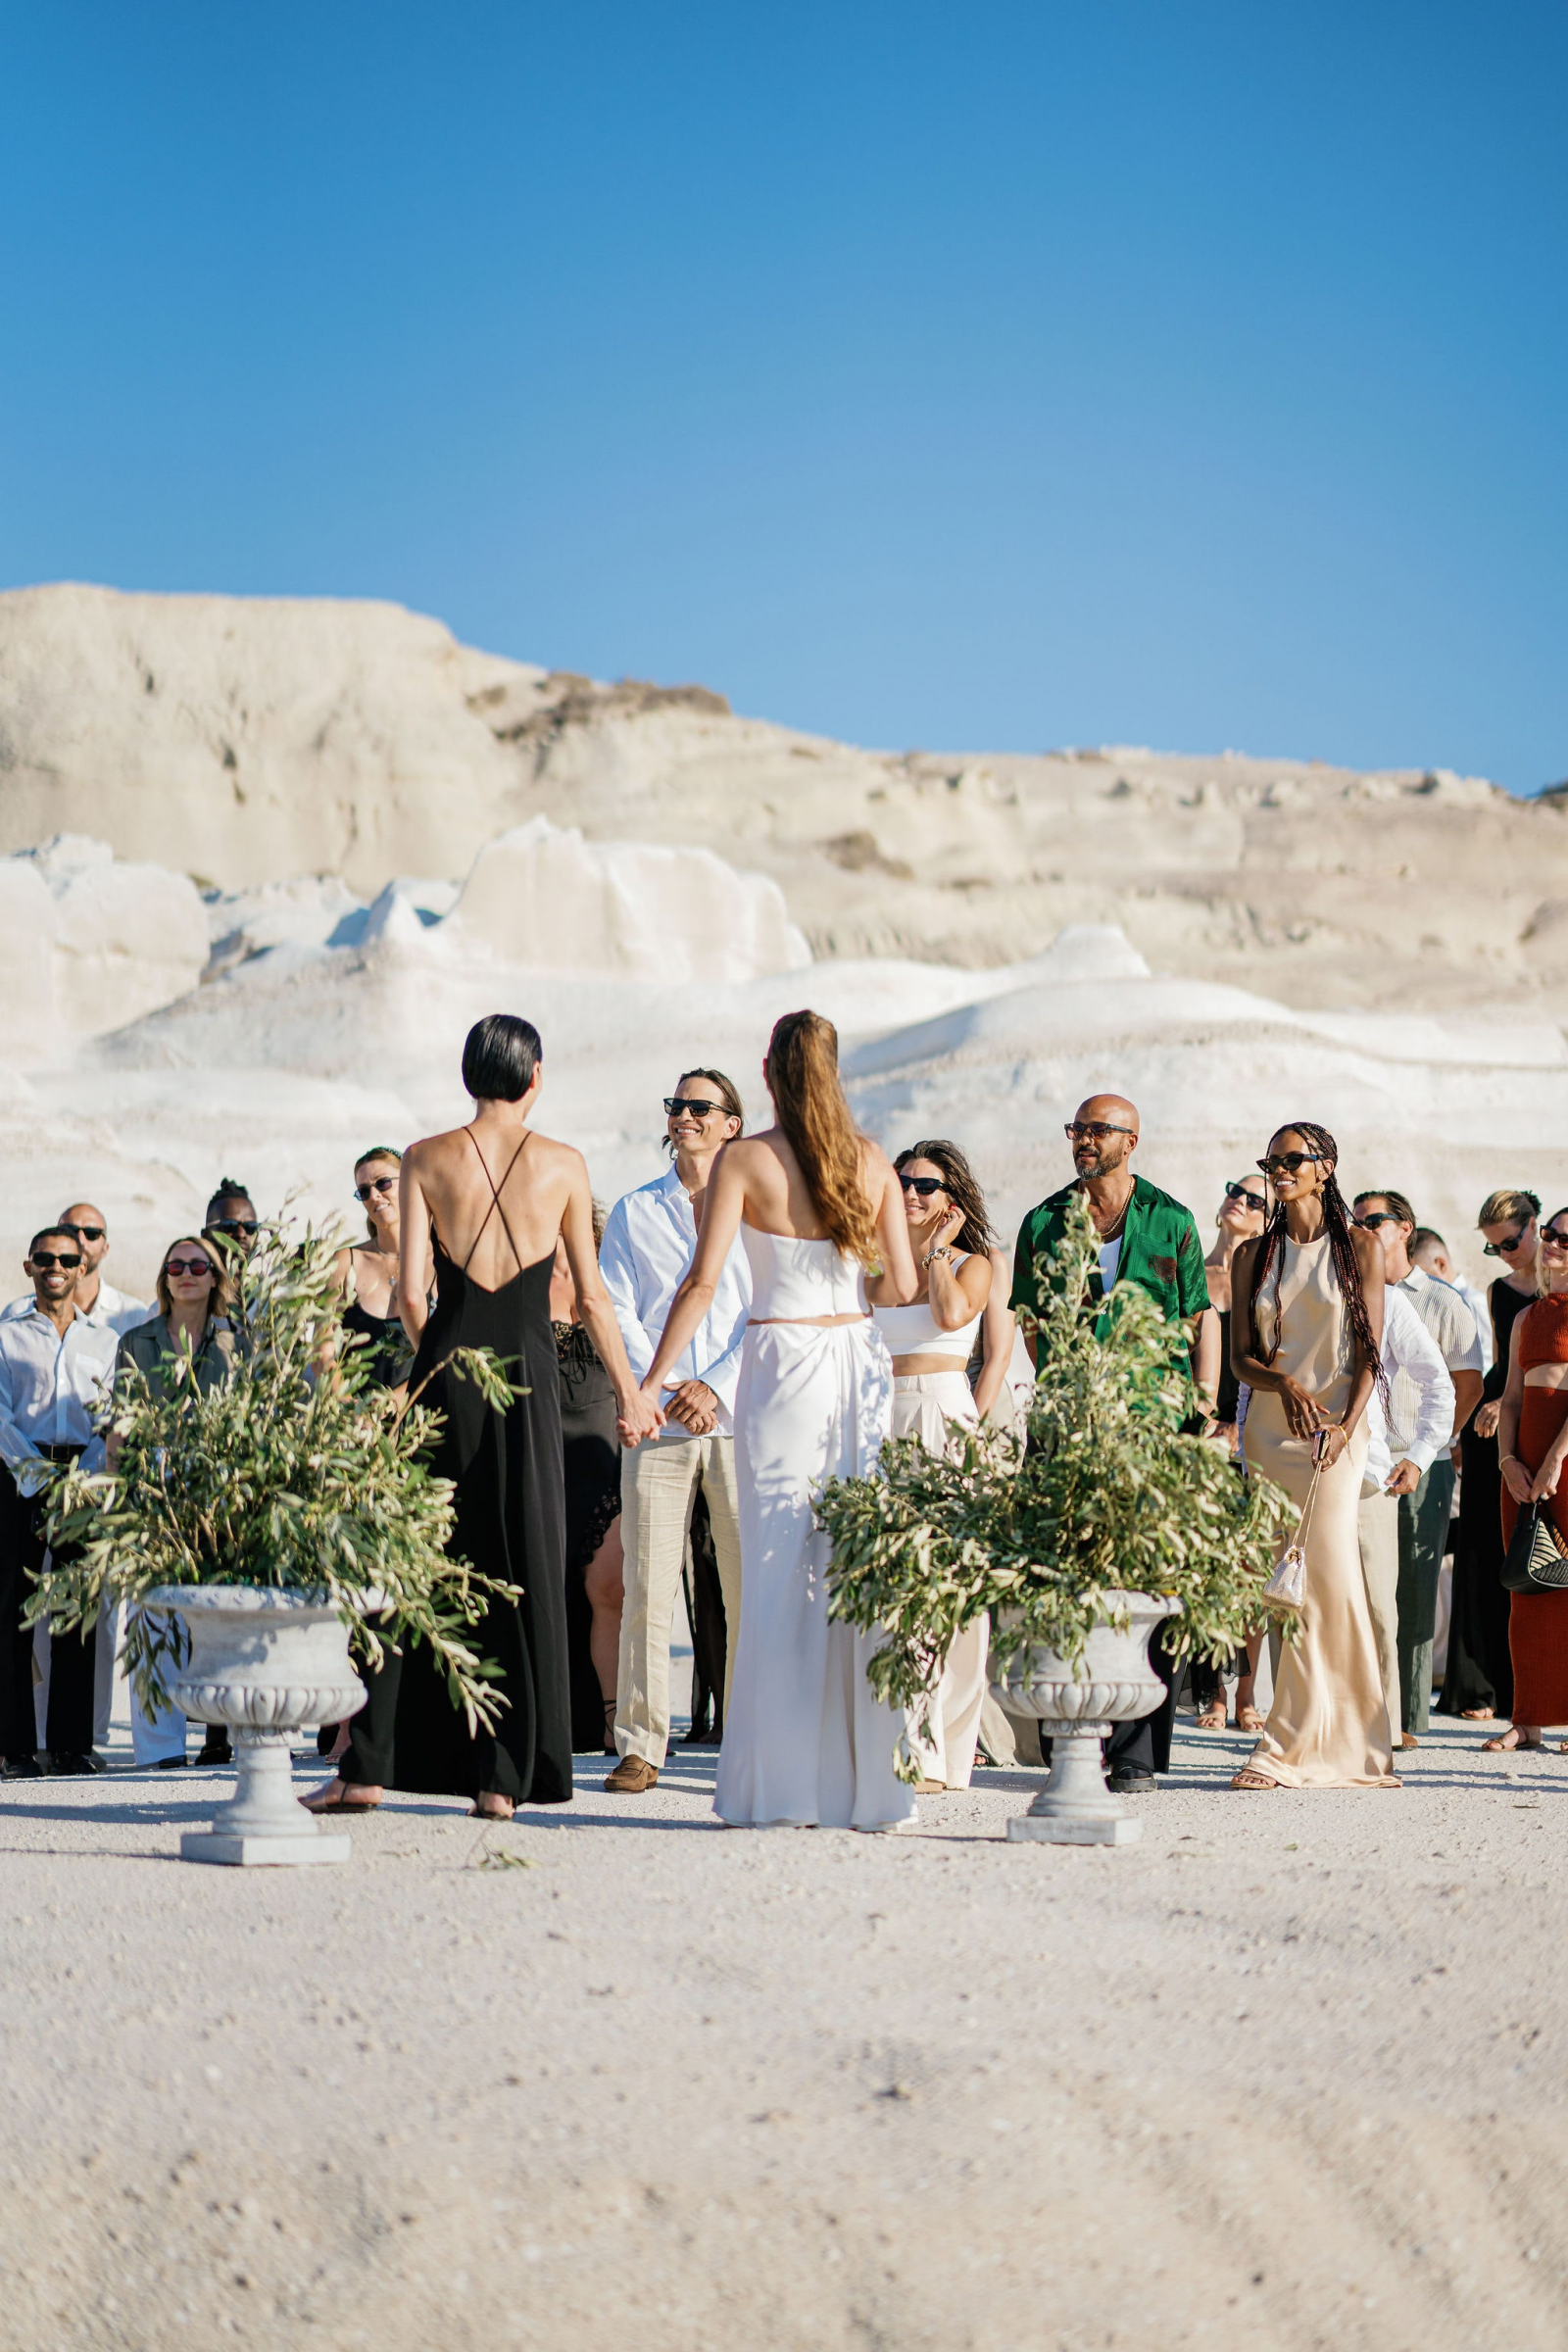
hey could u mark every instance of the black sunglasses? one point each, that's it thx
(699, 1109)
(1551, 1233)
(1290, 1161)
(1239, 1192)
(84, 1232)
(1098, 1128)
(235, 1227)
(43, 1259)
(923, 1185)
(377, 1184)
(1379, 1216)
(1505, 1247)
(187, 1265)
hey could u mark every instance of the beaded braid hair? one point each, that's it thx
(1341, 1248)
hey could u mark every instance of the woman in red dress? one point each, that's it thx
(1531, 1448)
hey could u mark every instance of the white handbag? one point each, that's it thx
(1287, 1586)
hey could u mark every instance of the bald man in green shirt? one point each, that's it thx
(1149, 1239)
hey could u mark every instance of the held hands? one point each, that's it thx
(640, 1417)
(693, 1404)
(1487, 1418)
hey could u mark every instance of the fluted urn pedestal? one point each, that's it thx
(1076, 1705)
(263, 1662)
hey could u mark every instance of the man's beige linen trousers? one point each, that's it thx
(657, 1486)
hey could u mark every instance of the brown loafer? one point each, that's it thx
(633, 1776)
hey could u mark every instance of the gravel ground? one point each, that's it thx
(1289, 2070)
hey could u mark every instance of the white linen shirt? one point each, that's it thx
(112, 1311)
(50, 1387)
(1417, 1376)
(649, 1241)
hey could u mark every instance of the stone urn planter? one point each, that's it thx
(1076, 1706)
(264, 1661)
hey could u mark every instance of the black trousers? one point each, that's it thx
(1145, 1743)
(73, 1657)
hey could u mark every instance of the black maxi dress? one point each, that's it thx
(591, 1454)
(1480, 1669)
(510, 1522)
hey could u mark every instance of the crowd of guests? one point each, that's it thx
(763, 1313)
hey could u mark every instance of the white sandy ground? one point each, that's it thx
(1291, 2071)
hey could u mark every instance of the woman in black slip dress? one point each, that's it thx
(1242, 1213)
(592, 1462)
(491, 1239)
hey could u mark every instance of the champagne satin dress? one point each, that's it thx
(1329, 1725)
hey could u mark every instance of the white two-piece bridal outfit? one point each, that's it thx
(804, 1740)
(925, 1405)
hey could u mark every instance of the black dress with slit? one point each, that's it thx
(510, 1522)
(1479, 1667)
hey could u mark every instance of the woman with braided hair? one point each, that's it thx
(1306, 1333)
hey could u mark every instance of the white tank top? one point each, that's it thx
(793, 1281)
(916, 1331)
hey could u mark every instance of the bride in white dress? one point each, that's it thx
(815, 1203)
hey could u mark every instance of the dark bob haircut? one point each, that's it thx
(500, 1056)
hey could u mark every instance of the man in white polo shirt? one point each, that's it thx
(1423, 1512)
(647, 1252)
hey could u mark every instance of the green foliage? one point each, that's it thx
(296, 1470)
(1110, 1497)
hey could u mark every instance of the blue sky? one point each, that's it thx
(1008, 376)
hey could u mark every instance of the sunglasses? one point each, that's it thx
(695, 1105)
(42, 1259)
(1098, 1128)
(1506, 1246)
(1551, 1238)
(925, 1186)
(1239, 1192)
(1288, 1163)
(377, 1184)
(1379, 1216)
(84, 1232)
(187, 1265)
(236, 1227)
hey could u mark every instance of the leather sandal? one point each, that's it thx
(323, 1801)
(1247, 1719)
(1248, 1778)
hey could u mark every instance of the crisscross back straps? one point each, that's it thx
(494, 1199)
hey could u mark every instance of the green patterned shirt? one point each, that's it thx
(1160, 1250)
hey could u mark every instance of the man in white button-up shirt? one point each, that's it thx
(55, 1364)
(647, 1252)
(1397, 1460)
(96, 1299)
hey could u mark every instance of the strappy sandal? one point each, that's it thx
(610, 1706)
(323, 1801)
(1508, 1743)
(1211, 1718)
(1248, 1778)
(1247, 1719)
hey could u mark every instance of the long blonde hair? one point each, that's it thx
(802, 1078)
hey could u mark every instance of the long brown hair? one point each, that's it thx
(960, 1184)
(220, 1298)
(1342, 1246)
(802, 1078)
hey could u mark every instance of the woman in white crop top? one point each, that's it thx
(931, 1343)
